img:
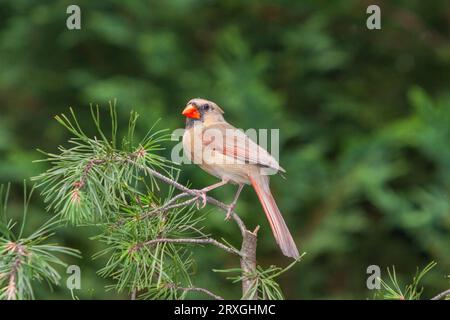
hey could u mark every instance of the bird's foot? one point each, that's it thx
(201, 194)
(230, 211)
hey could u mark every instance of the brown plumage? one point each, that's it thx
(227, 153)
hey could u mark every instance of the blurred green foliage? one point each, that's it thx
(364, 119)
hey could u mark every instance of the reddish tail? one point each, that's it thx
(280, 230)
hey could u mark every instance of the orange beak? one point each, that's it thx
(191, 112)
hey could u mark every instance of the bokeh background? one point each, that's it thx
(364, 119)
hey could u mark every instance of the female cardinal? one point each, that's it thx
(227, 153)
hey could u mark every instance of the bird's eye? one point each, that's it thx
(206, 107)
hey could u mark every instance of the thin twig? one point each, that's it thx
(206, 291)
(177, 205)
(441, 295)
(215, 296)
(170, 205)
(178, 196)
(190, 240)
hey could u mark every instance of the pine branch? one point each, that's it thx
(193, 193)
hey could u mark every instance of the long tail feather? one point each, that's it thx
(279, 228)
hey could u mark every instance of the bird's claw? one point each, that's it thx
(229, 212)
(201, 194)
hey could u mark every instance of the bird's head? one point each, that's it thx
(202, 110)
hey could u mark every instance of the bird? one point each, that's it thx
(230, 155)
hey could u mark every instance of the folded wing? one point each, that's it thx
(231, 142)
